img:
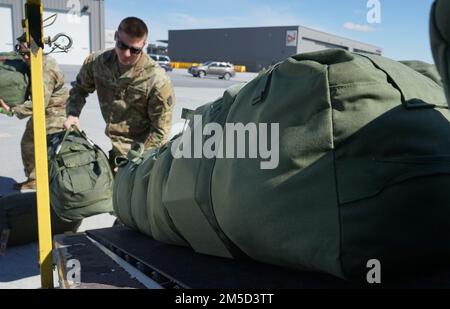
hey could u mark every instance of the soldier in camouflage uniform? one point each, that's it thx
(55, 97)
(135, 95)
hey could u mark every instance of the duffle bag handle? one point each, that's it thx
(262, 88)
(135, 155)
(66, 135)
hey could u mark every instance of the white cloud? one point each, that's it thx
(264, 16)
(358, 27)
(185, 19)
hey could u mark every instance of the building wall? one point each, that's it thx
(96, 12)
(312, 40)
(16, 14)
(254, 47)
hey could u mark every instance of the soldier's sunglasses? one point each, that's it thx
(121, 45)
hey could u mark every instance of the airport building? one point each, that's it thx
(82, 20)
(257, 47)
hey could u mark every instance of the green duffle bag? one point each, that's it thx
(440, 40)
(187, 193)
(140, 189)
(429, 70)
(162, 226)
(80, 177)
(131, 185)
(352, 165)
(18, 220)
(123, 187)
(14, 80)
(138, 193)
(363, 168)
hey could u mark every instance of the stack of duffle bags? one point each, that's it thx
(363, 171)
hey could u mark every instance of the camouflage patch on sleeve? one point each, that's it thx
(165, 93)
(160, 108)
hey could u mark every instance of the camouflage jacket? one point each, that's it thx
(440, 40)
(136, 106)
(55, 97)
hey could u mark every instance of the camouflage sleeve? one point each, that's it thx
(24, 110)
(160, 108)
(53, 78)
(81, 88)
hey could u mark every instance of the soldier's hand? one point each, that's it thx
(4, 106)
(72, 121)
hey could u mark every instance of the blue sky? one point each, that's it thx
(402, 33)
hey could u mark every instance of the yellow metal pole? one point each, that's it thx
(35, 39)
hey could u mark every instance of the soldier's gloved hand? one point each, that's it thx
(70, 121)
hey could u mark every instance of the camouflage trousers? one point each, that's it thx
(27, 146)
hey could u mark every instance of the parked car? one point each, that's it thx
(163, 61)
(224, 70)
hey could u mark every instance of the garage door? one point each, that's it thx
(78, 29)
(6, 38)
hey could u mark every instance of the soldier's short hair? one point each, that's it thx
(134, 27)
